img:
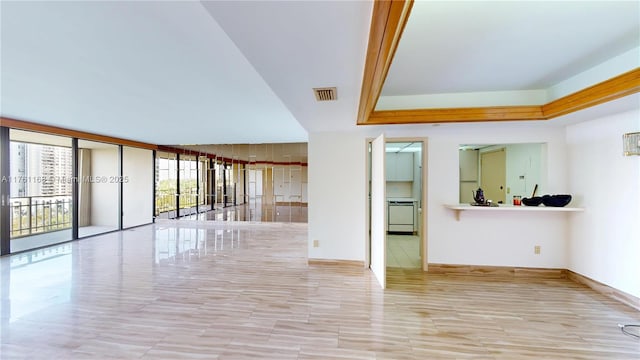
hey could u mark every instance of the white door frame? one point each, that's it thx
(424, 186)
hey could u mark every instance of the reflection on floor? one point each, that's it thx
(214, 290)
(259, 213)
(403, 251)
(245, 212)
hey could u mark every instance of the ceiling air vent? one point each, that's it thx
(326, 94)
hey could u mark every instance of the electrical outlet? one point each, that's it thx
(316, 243)
(536, 249)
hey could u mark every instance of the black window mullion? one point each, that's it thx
(4, 191)
(75, 189)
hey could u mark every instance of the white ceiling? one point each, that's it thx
(396, 147)
(221, 72)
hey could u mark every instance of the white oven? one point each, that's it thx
(401, 216)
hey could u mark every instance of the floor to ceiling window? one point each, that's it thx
(4, 189)
(166, 184)
(182, 184)
(189, 184)
(40, 189)
(57, 187)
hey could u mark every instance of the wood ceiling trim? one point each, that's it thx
(54, 130)
(387, 23)
(608, 90)
(449, 115)
(614, 88)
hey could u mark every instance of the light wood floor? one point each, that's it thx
(205, 290)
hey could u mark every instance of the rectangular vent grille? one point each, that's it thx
(326, 94)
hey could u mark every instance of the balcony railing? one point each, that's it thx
(39, 214)
(166, 199)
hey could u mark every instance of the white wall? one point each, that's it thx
(137, 189)
(605, 240)
(337, 196)
(338, 199)
(104, 192)
(500, 239)
(583, 159)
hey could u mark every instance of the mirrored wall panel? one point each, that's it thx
(240, 182)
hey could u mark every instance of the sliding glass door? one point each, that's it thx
(166, 184)
(188, 176)
(56, 188)
(40, 190)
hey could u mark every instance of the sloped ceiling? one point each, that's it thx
(159, 72)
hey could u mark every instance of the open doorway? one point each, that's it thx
(401, 193)
(403, 170)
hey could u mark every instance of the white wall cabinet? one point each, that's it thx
(399, 166)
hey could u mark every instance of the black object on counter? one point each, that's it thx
(478, 196)
(556, 200)
(532, 201)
